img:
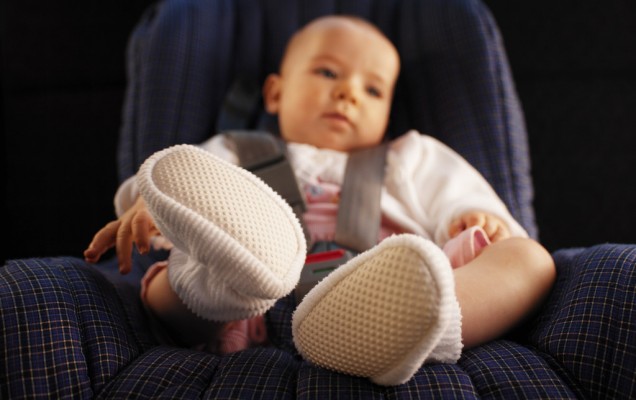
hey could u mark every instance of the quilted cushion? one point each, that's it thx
(69, 331)
(588, 328)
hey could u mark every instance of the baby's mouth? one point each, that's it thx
(335, 116)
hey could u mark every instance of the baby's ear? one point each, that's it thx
(271, 93)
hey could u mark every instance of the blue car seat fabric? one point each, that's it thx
(68, 331)
(589, 325)
(455, 83)
(74, 330)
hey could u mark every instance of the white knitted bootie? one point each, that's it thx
(240, 245)
(383, 314)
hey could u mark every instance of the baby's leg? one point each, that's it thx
(404, 292)
(501, 287)
(182, 324)
(193, 331)
(238, 245)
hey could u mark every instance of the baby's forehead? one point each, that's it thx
(338, 28)
(337, 25)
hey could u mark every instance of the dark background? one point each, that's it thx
(63, 81)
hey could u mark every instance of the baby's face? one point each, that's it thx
(336, 86)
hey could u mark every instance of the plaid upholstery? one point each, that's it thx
(69, 331)
(455, 83)
(66, 330)
(589, 325)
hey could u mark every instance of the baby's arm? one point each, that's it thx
(134, 226)
(495, 227)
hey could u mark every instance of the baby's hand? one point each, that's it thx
(494, 226)
(135, 226)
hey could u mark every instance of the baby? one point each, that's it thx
(238, 246)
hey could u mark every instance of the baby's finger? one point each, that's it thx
(103, 240)
(491, 227)
(141, 229)
(124, 247)
(501, 233)
(475, 219)
(456, 227)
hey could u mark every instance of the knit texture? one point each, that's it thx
(383, 313)
(240, 246)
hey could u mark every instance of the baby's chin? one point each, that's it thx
(345, 141)
(334, 146)
(325, 140)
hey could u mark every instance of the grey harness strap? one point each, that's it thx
(359, 214)
(264, 155)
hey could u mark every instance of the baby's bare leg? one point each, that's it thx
(175, 315)
(501, 287)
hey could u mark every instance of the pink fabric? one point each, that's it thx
(464, 247)
(240, 335)
(322, 213)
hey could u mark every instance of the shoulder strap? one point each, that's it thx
(359, 214)
(255, 149)
(265, 156)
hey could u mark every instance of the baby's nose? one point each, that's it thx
(346, 92)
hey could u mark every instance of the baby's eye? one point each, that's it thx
(373, 91)
(326, 72)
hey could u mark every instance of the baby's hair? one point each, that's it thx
(343, 17)
(360, 21)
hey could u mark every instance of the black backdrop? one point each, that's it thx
(62, 89)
